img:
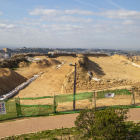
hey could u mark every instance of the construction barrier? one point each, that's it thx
(14, 108)
(101, 94)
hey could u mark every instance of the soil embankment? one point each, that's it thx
(9, 79)
(112, 71)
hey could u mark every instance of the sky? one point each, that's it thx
(103, 24)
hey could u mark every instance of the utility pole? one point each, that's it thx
(74, 89)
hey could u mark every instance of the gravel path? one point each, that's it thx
(46, 123)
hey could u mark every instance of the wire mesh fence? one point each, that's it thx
(121, 97)
(44, 106)
(15, 110)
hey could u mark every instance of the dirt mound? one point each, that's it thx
(80, 55)
(9, 79)
(83, 62)
(23, 64)
(54, 61)
(41, 64)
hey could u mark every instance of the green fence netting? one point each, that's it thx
(101, 94)
(14, 109)
(11, 111)
(122, 106)
(36, 110)
(70, 97)
(36, 98)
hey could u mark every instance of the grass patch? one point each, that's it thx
(14, 68)
(55, 134)
(64, 134)
(101, 94)
(29, 63)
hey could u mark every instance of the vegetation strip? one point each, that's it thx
(36, 98)
(91, 124)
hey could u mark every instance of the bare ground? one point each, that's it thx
(51, 80)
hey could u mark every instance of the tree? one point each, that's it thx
(106, 124)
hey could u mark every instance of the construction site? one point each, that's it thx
(93, 73)
(55, 85)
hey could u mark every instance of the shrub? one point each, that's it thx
(4, 64)
(106, 124)
(12, 63)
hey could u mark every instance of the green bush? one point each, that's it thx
(12, 63)
(106, 124)
(4, 64)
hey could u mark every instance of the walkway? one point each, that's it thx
(46, 123)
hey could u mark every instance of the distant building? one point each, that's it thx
(6, 55)
(2, 51)
(6, 49)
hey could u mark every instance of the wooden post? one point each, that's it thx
(94, 100)
(62, 133)
(16, 107)
(69, 134)
(54, 105)
(133, 96)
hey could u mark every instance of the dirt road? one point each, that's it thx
(47, 123)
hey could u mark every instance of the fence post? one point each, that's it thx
(18, 107)
(62, 133)
(54, 105)
(94, 100)
(133, 96)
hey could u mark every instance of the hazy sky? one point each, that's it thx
(70, 23)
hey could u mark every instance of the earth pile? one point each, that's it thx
(83, 62)
(54, 61)
(41, 64)
(23, 64)
(9, 79)
(84, 81)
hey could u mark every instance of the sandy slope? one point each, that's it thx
(51, 80)
(49, 83)
(114, 68)
(9, 79)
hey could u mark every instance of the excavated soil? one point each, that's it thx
(41, 64)
(54, 61)
(108, 69)
(23, 64)
(9, 79)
